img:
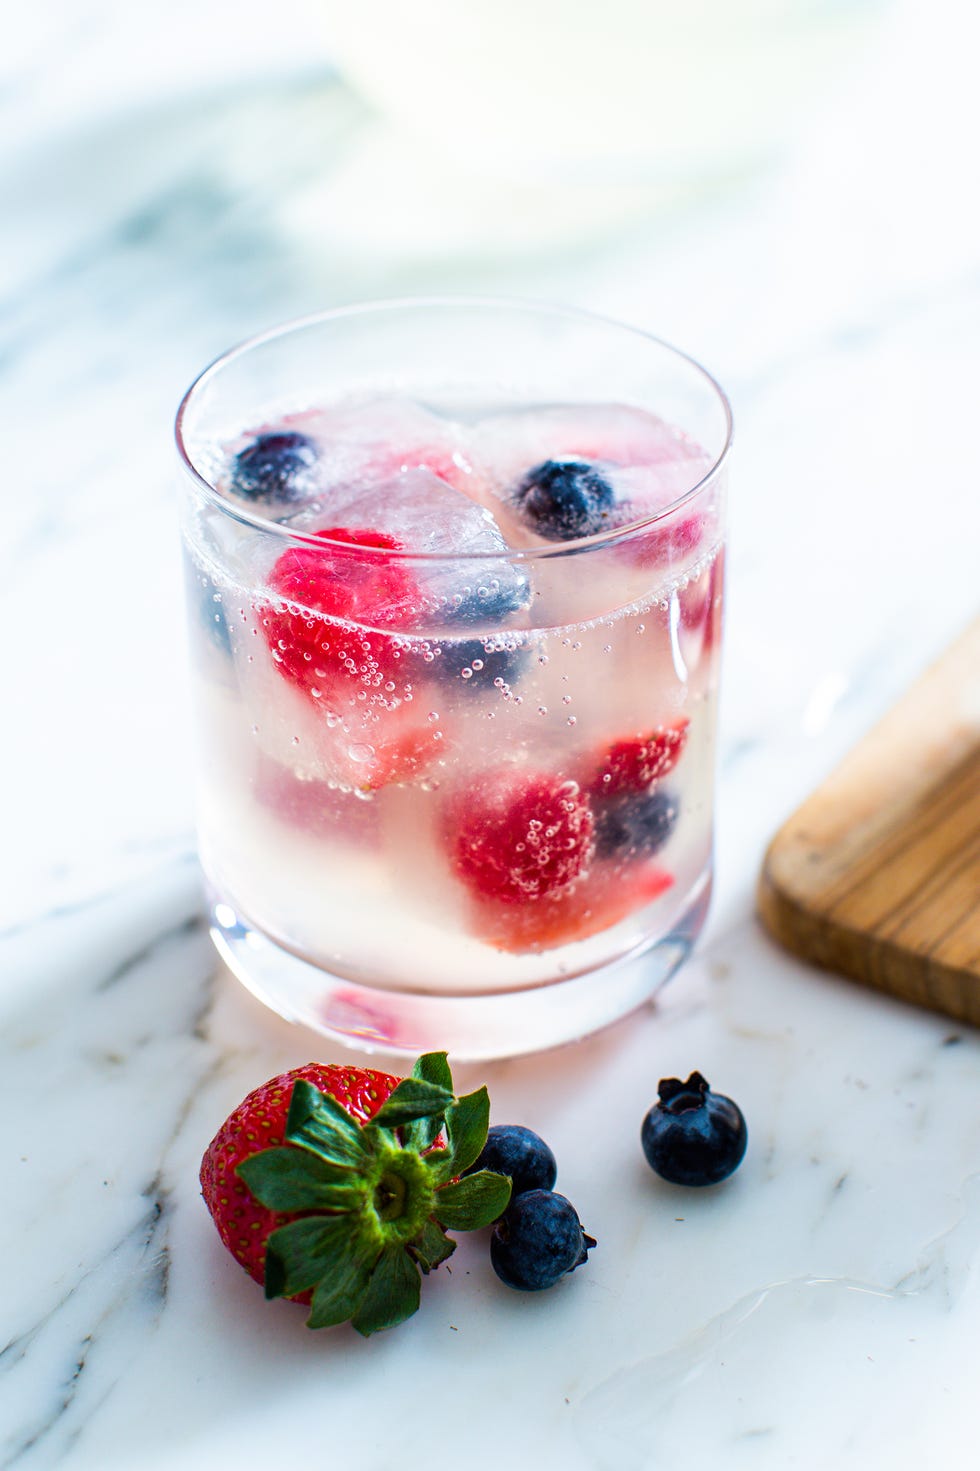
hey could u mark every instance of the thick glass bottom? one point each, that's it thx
(471, 1028)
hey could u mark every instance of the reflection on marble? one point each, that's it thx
(822, 1307)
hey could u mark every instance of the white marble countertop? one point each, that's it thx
(167, 189)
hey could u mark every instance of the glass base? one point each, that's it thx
(471, 1028)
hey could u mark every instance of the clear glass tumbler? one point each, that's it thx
(455, 690)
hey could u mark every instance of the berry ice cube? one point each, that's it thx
(466, 582)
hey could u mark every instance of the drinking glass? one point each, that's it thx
(456, 795)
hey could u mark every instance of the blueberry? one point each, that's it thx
(276, 467)
(634, 824)
(205, 599)
(505, 590)
(693, 1136)
(538, 1239)
(520, 1153)
(563, 499)
(486, 663)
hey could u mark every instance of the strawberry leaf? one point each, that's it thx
(473, 1202)
(467, 1123)
(431, 1247)
(304, 1253)
(412, 1099)
(440, 1163)
(316, 1121)
(433, 1067)
(288, 1179)
(339, 1294)
(392, 1293)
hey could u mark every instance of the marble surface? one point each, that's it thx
(166, 189)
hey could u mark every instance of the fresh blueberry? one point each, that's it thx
(634, 824)
(538, 1239)
(563, 499)
(276, 468)
(693, 1136)
(520, 1153)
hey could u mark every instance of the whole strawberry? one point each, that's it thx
(335, 1185)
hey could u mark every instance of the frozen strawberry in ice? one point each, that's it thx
(518, 836)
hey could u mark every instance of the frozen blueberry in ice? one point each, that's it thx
(537, 1241)
(565, 499)
(514, 1150)
(692, 1136)
(635, 823)
(478, 664)
(204, 597)
(277, 468)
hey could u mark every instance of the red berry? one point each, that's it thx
(341, 653)
(519, 836)
(315, 806)
(259, 1122)
(336, 647)
(608, 894)
(633, 765)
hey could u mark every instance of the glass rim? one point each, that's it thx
(293, 536)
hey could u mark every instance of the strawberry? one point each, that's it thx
(608, 894)
(633, 765)
(517, 836)
(334, 1186)
(345, 652)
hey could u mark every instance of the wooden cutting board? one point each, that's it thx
(877, 875)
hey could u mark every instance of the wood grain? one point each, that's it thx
(877, 875)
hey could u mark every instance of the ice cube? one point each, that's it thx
(357, 442)
(647, 463)
(512, 443)
(365, 441)
(466, 583)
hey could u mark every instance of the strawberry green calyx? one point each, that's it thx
(367, 1206)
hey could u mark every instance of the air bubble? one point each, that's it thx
(433, 714)
(607, 648)
(542, 709)
(477, 664)
(571, 720)
(466, 673)
(294, 741)
(360, 752)
(566, 699)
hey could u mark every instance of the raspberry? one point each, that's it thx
(329, 656)
(633, 765)
(518, 837)
(336, 650)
